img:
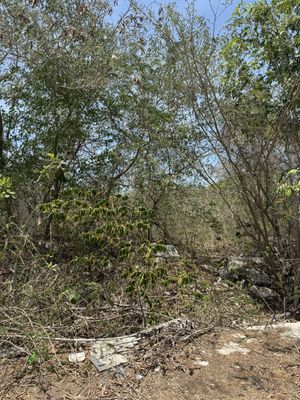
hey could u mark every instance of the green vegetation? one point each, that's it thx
(118, 138)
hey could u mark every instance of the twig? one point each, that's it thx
(197, 333)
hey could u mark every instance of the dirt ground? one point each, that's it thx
(264, 366)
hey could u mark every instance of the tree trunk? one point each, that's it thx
(297, 256)
(2, 159)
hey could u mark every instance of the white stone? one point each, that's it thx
(77, 357)
(169, 252)
(232, 347)
(291, 329)
(201, 363)
(244, 338)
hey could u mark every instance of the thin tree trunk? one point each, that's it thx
(297, 256)
(2, 157)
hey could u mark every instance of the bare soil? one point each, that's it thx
(169, 370)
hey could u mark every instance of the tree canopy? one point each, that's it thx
(119, 136)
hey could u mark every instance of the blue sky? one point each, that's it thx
(204, 8)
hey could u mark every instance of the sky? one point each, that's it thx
(203, 7)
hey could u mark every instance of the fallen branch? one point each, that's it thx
(106, 353)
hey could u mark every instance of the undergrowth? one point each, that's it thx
(98, 274)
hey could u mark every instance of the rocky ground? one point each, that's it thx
(233, 363)
(215, 354)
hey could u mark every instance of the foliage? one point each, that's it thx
(291, 188)
(110, 228)
(118, 136)
(6, 188)
(32, 359)
(107, 239)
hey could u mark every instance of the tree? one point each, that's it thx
(244, 106)
(78, 92)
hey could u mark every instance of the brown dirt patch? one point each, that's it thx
(167, 371)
